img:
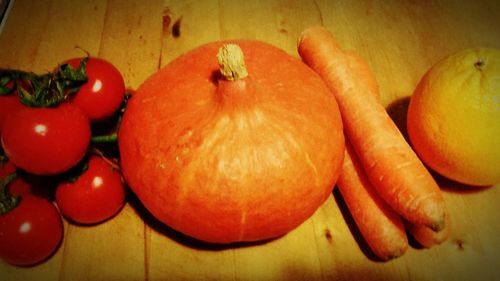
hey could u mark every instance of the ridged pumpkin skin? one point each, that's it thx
(236, 161)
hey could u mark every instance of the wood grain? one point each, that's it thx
(399, 39)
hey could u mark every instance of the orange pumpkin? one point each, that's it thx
(225, 157)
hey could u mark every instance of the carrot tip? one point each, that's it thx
(393, 255)
(438, 226)
(396, 255)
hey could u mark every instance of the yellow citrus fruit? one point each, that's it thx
(454, 117)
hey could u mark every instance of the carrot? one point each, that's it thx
(372, 215)
(426, 236)
(381, 227)
(392, 167)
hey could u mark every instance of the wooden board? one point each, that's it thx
(399, 39)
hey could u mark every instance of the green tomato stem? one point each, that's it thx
(7, 201)
(111, 138)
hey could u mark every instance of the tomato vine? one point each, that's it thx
(60, 127)
(7, 201)
(45, 90)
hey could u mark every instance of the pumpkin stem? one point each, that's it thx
(232, 62)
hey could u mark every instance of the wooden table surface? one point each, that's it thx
(399, 39)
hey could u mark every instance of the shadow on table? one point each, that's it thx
(179, 237)
(353, 228)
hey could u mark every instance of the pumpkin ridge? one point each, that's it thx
(299, 147)
(313, 167)
(243, 222)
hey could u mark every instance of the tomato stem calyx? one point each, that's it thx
(45, 90)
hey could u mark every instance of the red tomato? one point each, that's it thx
(30, 232)
(97, 195)
(104, 91)
(9, 104)
(46, 141)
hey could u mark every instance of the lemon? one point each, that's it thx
(454, 117)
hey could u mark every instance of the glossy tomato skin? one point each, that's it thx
(104, 91)
(46, 141)
(97, 195)
(30, 232)
(9, 105)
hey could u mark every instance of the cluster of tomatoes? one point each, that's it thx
(52, 161)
